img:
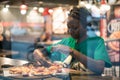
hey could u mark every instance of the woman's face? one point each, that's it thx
(74, 28)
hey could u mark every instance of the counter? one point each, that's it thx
(72, 75)
(62, 77)
(94, 78)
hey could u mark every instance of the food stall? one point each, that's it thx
(16, 69)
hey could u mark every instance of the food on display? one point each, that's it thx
(30, 69)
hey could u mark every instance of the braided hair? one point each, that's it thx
(80, 14)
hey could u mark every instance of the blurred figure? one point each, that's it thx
(1, 36)
(47, 36)
(1, 39)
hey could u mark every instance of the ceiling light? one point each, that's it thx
(23, 9)
(41, 9)
(5, 9)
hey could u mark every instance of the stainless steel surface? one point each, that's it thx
(10, 61)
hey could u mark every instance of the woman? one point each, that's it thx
(90, 51)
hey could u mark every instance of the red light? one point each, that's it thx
(103, 1)
(23, 7)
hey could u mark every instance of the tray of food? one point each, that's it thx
(36, 70)
(32, 70)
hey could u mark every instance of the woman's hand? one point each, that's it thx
(37, 54)
(40, 58)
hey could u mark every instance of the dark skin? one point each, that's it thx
(75, 29)
(79, 33)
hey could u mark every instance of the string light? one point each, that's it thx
(41, 9)
(5, 9)
(23, 9)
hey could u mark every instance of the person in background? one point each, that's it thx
(5, 42)
(1, 39)
(89, 51)
(113, 13)
(47, 35)
(1, 36)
